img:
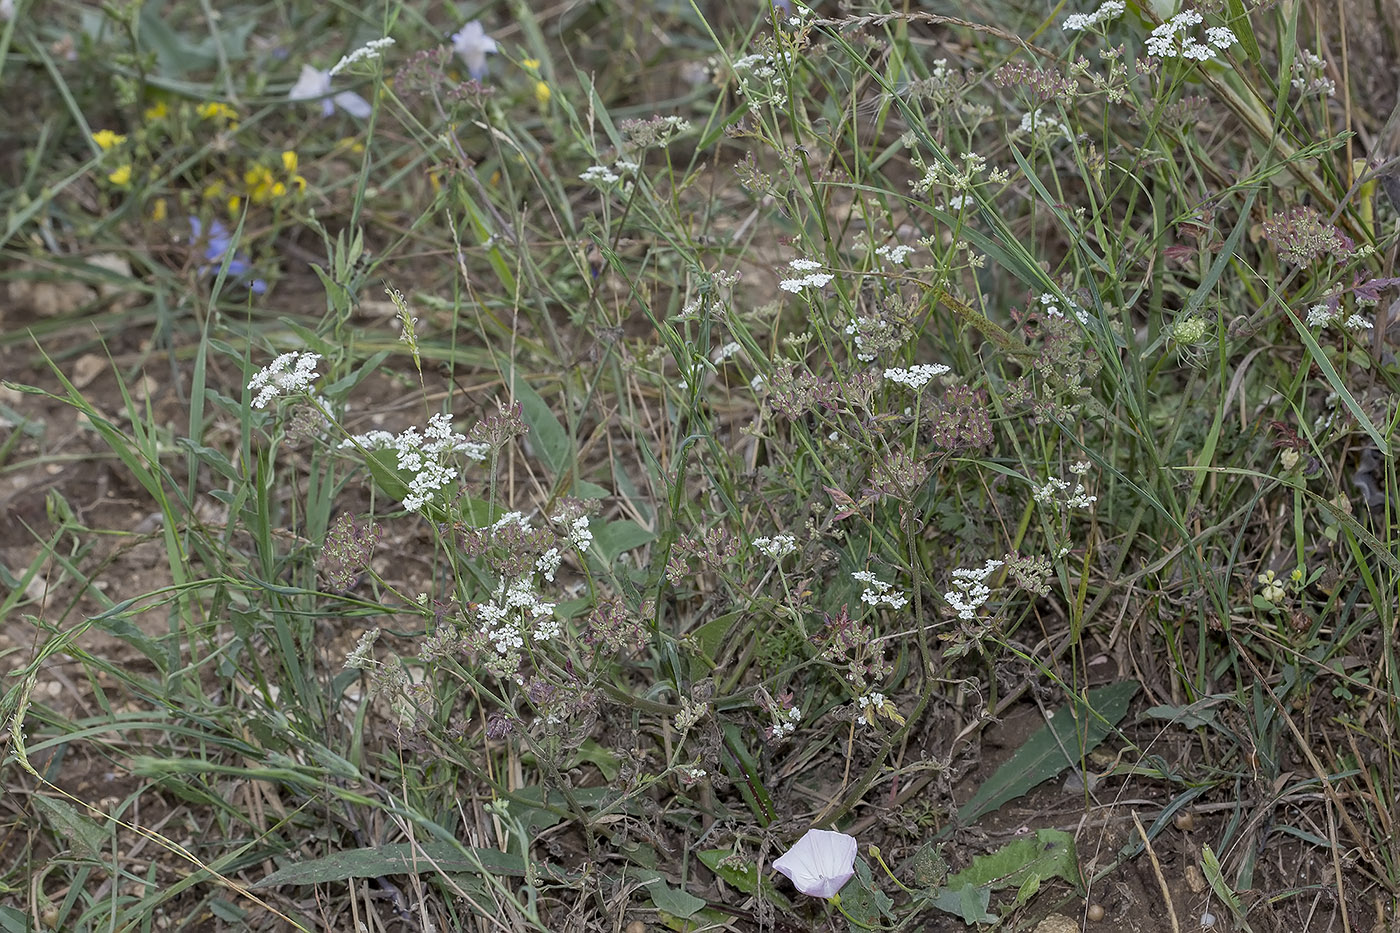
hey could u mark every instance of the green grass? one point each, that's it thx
(1139, 531)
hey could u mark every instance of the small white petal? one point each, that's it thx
(353, 104)
(311, 84)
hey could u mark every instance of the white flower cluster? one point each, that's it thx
(894, 252)
(1078, 22)
(1310, 76)
(1324, 316)
(1042, 125)
(958, 201)
(878, 592)
(1171, 39)
(784, 723)
(425, 455)
(871, 704)
(760, 79)
(514, 609)
(868, 330)
(367, 52)
(670, 127)
(813, 278)
(548, 563)
(916, 377)
(1079, 498)
(579, 534)
(973, 166)
(603, 176)
(726, 352)
(776, 547)
(289, 374)
(1050, 307)
(970, 588)
(798, 15)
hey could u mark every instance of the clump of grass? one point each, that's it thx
(675, 465)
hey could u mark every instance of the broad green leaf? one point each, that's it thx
(675, 901)
(1183, 716)
(548, 438)
(13, 920)
(742, 875)
(863, 901)
(613, 538)
(603, 758)
(82, 833)
(1060, 743)
(968, 902)
(927, 867)
(403, 858)
(1049, 855)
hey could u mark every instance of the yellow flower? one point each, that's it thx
(122, 176)
(158, 210)
(213, 191)
(234, 203)
(531, 64)
(542, 93)
(210, 110)
(157, 111)
(260, 184)
(289, 161)
(106, 139)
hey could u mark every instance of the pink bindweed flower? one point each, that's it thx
(820, 863)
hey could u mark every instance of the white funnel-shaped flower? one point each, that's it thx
(820, 863)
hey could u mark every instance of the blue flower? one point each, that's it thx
(217, 252)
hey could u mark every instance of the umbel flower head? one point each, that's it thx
(820, 863)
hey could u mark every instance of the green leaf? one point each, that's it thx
(603, 758)
(927, 866)
(864, 903)
(968, 902)
(742, 875)
(1183, 716)
(1049, 855)
(675, 901)
(1244, 30)
(613, 538)
(550, 441)
(404, 858)
(1210, 867)
(13, 920)
(1335, 381)
(84, 835)
(1071, 733)
(741, 768)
